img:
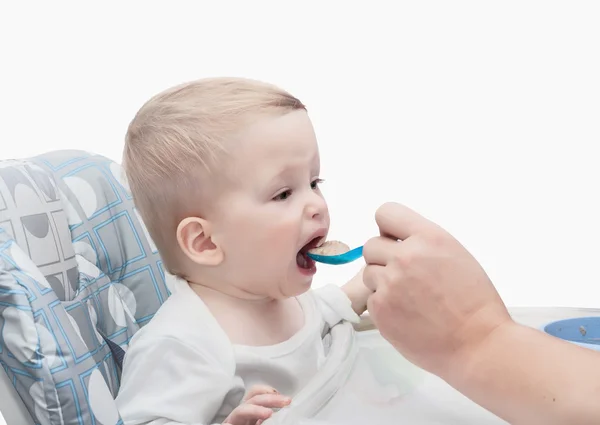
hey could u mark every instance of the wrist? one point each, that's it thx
(470, 363)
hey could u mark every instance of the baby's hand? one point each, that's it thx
(257, 406)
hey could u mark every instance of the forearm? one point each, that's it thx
(357, 292)
(528, 377)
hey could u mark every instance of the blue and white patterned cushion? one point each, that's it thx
(76, 266)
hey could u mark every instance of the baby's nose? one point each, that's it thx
(316, 208)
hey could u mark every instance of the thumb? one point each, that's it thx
(399, 222)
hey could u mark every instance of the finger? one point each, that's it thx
(379, 278)
(260, 389)
(379, 250)
(400, 222)
(272, 401)
(249, 412)
(375, 303)
(372, 277)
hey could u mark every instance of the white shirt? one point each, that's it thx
(181, 368)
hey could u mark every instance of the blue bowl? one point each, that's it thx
(584, 331)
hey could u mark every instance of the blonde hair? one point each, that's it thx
(178, 136)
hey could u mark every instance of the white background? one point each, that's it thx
(483, 116)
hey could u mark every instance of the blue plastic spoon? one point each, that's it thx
(346, 257)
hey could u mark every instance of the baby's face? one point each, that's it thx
(272, 209)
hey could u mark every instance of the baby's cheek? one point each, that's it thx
(281, 235)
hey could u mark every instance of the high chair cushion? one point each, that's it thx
(78, 271)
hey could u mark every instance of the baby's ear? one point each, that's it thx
(194, 239)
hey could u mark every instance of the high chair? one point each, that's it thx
(79, 275)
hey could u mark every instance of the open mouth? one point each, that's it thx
(302, 259)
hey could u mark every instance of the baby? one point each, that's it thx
(225, 174)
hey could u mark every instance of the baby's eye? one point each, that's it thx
(315, 183)
(283, 196)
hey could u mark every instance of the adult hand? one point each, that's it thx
(437, 306)
(432, 299)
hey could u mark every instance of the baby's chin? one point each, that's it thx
(283, 283)
(296, 293)
(296, 288)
